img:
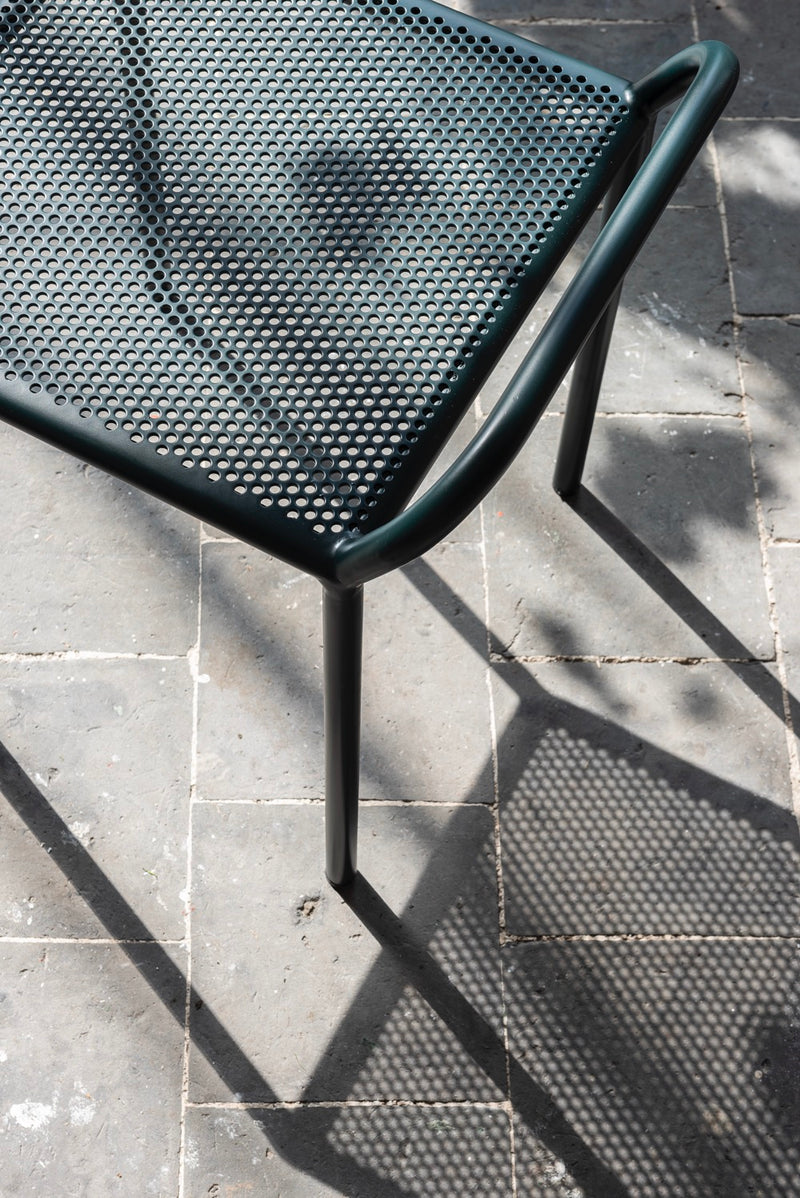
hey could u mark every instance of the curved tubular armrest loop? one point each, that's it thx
(707, 74)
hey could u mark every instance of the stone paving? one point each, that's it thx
(569, 968)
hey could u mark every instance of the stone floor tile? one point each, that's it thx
(393, 994)
(670, 1068)
(760, 164)
(624, 49)
(470, 530)
(260, 693)
(89, 563)
(785, 564)
(642, 565)
(350, 1152)
(648, 845)
(630, 51)
(762, 35)
(501, 12)
(425, 705)
(91, 1051)
(94, 779)
(645, 799)
(770, 362)
(671, 351)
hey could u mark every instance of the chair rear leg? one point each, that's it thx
(590, 363)
(343, 611)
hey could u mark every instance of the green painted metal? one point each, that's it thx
(259, 258)
(343, 620)
(708, 71)
(587, 374)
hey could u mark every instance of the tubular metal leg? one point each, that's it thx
(343, 612)
(590, 363)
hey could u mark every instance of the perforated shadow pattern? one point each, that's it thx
(280, 241)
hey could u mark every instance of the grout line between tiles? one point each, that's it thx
(347, 1103)
(789, 120)
(511, 939)
(194, 665)
(498, 861)
(763, 536)
(99, 941)
(622, 660)
(434, 804)
(207, 538)
(769, 315)
(666, 415)
(661, 414)
(87, 655)
(618, 22)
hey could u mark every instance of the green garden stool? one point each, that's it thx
(258, 257)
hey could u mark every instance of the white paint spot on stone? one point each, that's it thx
(204, 678)
(81, 1110)
(32, 1115)
(229, 1126)
(81, 831)
(3, 1056)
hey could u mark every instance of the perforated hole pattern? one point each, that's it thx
(271, 239)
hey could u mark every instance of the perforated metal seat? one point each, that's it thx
(258, 258)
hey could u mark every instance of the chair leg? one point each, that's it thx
(343, 611)
(590, 363)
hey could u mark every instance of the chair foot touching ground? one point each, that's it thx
(260, 259)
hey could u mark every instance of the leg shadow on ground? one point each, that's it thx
(649, 1030)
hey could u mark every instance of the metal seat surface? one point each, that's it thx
(260, 256)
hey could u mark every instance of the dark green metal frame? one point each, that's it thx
(709, 71)
(579, 330)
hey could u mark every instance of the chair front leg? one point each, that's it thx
(343, 613)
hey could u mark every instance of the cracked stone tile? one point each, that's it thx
(671, 351)
(641, 566)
